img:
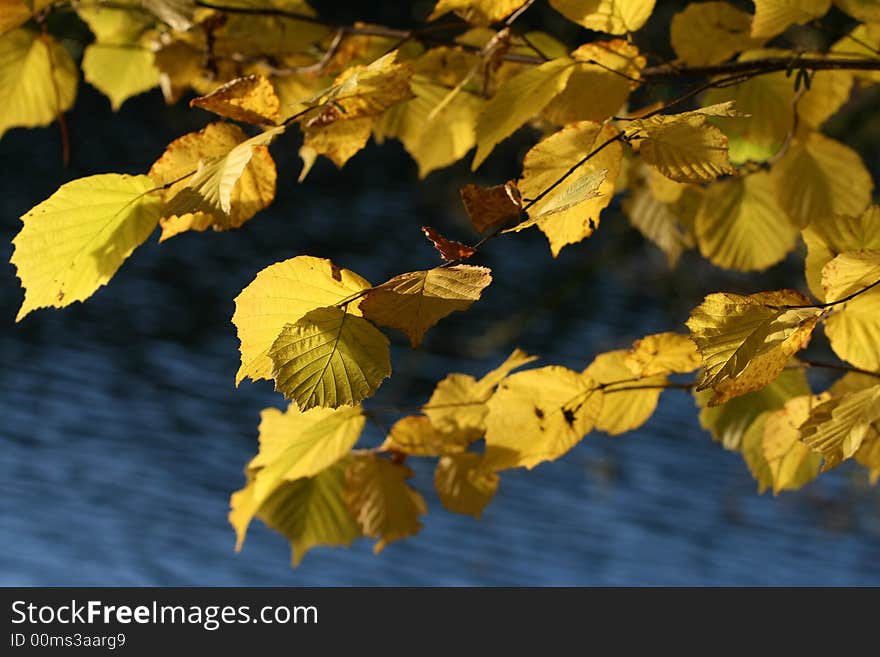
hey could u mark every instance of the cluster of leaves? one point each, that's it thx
(742, 176)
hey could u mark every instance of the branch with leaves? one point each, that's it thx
(735, 166)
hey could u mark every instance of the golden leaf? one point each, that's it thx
(464, 484)
(251, 99)
(629, 400)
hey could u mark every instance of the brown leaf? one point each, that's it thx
(450, 250)
(490, 207)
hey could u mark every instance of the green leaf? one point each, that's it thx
(329, 357)
(73, 242)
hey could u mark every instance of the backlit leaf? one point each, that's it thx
(663, 353)
(819, 177)
(102, 219)
(837, 427)
(415, 301)
(464, 484)
(119, 72)
(253, 191)
(490, 207)
(538, 415)
(479, 12)
(548, 161)
(449, 250)
(329, 357)
(686, 150)
(739, 225)
(417, 436)
(251, 99)
(752, 450)
(516, 101)
(708, 33)
(746, 342)
(384, 505)
(728, 422)
(338, 141)
(310, 511)
(629, 400)
(774, 16)
(612, 16)
(38, 80)
(458, 404)
(792, 464)
(281, 294)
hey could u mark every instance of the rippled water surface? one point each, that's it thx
(123, 434)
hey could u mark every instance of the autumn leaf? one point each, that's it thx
(548, 162)
(119, 72)
(685, 149)
(792, 464)
(628, 400)
(38, 80)
(706, 33)
(538, 415)
(478, 12)
(417, 436)
(729, 422)
(415, 301)
(663, 353)
(293, 445)
(103, 219)
(774, 16)
(837, 427)
(516, 101)
(281, 294)
(464, 484)
(491, 207)
(251, 99)
(338, 142)
(383, 504)
(752, 450)
(251, 192)
(457, 406)
(329, 357)
(449, 250)
(309, 511)
(745, 342)
(612, 16)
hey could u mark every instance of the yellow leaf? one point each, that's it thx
(384, 505)
(177, 13)
(516, 101)
(339, 141)
(360, 91)
(746, 342)
(119, 72)
(433, 140)
(180, 68)
(310, 512)
(837, 427)
(851, 272)
(774, 16)
(548, 161)
(464, 484)
(415, 435)
(869, 456)
(210, 189)
(538, 415)
(491, 207)
(293, 445)
(458, 404)
(663, 353)
(478, 12)
(792, 464)
(251, 99)
(102, 220)
(708, 33)
(629, 400)
(752, 449)
(329, 357)
(739, 225)
(831, 236)
(853, 330)
(686, 150)
(13, 13)
(600, 86)
(122, 23)
(415, 301)
(818, 178)
(728, 422)
(281, 294)
(37, 80)
(862, 41)
(262, 35)
(612, 16)
(863, 10)
(252, 192)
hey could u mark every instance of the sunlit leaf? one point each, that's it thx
(417, 436)
(612, 16)
(686, 150)
(119, 72)
(629, 400)
(251, 99)
(464, 484)
(415, 301)
(663, 353)
(102, 218)
(752, 450)
(490, 207)
(706, 33)
(837, 427)
(479, 12)
(282, 294)
(384, 505)
(792, 464)
(774, 16)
